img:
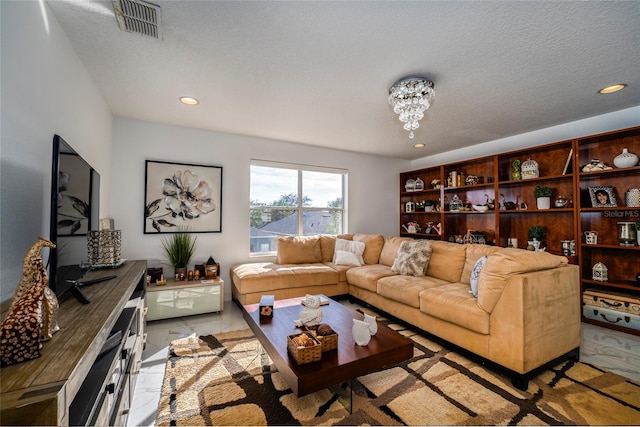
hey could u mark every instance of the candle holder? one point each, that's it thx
(626, 233)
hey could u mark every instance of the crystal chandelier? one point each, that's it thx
(410, 97)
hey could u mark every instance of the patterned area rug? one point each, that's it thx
(226, 380)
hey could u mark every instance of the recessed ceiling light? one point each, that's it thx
(189, 100)
(612, 88)
(418, 145)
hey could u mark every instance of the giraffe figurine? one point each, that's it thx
(32, 271)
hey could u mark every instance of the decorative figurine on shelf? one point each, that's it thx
(516, 175)
(32, 311)
(435, 183)
(311, 314)
(600, 272)
(412, 227)
(419, 184)
(211, 268)
(530, 169)
(595, 165)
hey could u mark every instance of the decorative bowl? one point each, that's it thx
(480, 208)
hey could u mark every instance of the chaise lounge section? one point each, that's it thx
(525, 312)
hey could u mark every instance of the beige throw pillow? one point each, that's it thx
(412, 258)
(299, 250)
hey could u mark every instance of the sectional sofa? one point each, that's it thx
(525, 312)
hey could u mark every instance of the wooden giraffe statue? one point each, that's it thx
(32, 271)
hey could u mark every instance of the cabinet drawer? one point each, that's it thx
(171, 303)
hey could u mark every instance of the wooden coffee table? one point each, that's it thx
(347, 362)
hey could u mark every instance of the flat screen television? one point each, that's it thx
(75, 210)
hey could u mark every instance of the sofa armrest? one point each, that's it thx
(536, 319)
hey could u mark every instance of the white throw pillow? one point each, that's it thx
(356, 248)
(347, 258)
(475, 274)
(412, 258)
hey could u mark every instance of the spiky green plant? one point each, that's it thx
(179, 248)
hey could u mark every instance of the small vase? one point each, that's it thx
(543, 202)
(371, 322)
(625, 159)
(360, 332)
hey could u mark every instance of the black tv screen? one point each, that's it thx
(75, 200)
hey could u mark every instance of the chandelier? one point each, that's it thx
(410, 97)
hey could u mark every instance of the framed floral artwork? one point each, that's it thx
(180, 195)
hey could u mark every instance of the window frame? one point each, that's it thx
(299, 208)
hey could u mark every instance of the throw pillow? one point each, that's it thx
(347, 258)
(356, 248)
(298, 250)
(475, 274)
(412, 258)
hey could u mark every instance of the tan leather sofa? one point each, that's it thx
(526, 315)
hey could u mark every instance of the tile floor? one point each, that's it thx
(613, 350)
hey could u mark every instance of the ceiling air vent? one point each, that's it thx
(137, 16)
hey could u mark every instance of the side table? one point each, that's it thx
(177, 299)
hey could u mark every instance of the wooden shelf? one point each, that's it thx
(560, 167)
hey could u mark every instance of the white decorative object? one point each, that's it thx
(409, 207)
(543, 202)
(410, 185)
(419, 184)
(599, 272)
(311, 314)
(371, 321)
(456, 204)
(410, 98)
(360, 332)
(591, 237)
(625, 159)
(632, 197)
(529, 169)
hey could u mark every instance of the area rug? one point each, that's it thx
(227, 379)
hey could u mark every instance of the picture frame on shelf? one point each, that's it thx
(178, 194)
(602, 197)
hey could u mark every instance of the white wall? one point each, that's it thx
(372, 198)
(45, 90)
(599, 124)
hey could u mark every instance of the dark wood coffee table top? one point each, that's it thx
(348, 361)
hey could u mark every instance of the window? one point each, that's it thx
(293, 200)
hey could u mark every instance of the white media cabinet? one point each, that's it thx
(177, 299)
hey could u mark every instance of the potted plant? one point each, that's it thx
(543, 196)
(536, 232)
(179, 248)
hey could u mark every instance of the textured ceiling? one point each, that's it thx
(318, 72)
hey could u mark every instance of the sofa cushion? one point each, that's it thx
(503, 264)
(475, 275)
(347, 258)
(328, 244)
(298, 250)
(263, 277)
(453, 303)
(367, 276)
(373, 246)
(356, 248)
(406, 289)
(341, 269)
(473, 253)
(412, 258)
(447, 260)
(390, 249)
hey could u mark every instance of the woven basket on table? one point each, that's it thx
(304, 355)
(329, 342)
